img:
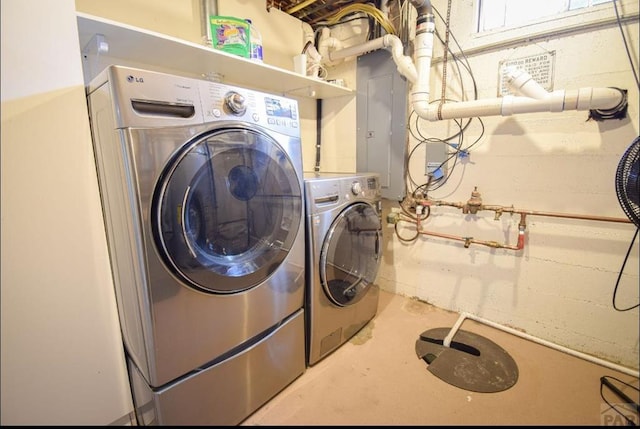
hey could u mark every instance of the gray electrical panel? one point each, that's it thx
(381, 104)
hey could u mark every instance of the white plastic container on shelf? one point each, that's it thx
(255, 51)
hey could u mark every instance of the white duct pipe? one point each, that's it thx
(447, 342)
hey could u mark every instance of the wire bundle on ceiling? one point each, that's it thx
(367, 9)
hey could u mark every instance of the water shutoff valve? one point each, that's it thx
(392, 218)
(474, 203)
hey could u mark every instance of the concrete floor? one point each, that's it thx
(377, 379)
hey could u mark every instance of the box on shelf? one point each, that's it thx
(230, 34)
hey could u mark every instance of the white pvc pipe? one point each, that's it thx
(326, 44)
(537, 99)
(307, 33)
(532, 97)
(447, 341)
(389, 41)
(556, 101)
(315, 57)
(521, 83)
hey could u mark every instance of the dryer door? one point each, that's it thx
(350, 254)
(227, 210)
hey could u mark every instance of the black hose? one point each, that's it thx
(318, 132)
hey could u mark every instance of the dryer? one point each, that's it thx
(344, 250)
(202, 191)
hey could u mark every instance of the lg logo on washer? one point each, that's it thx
(132, 79)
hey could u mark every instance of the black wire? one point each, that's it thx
(306, 46)
(615, 290)
(456, 157)
(425, 140)
(626, 46)
(629, 421)
(406, 240)
(435, 183)
(466, 60)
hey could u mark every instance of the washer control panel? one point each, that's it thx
(220, 101)
(235, 102)
(356, 188)
(151, 99)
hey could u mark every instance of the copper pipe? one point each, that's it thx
(474, 204)
(470, 240)
(503, 209)
(573, 216)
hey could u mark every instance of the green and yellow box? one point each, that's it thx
(230, 34)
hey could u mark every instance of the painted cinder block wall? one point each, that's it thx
(560, 287)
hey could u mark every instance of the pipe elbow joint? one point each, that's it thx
(407, 69)
(422, 107)
(613, 111)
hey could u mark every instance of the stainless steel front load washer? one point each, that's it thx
(344, 239)
(202, 190)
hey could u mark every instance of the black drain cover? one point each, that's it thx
(471, 362)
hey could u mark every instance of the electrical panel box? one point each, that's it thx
(381, 103)
(436, 155)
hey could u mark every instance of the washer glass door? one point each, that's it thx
(350, 254)
(227, 210)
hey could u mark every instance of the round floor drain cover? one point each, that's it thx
(471, 362)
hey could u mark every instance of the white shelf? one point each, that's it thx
(132, 46)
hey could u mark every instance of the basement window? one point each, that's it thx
(493, 14)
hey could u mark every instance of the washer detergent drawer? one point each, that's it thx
(228, 392)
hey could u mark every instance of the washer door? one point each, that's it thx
(227, 210)
(350, 254)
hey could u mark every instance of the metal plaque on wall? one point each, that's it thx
(539, 66)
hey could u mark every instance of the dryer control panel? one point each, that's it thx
(325, 191)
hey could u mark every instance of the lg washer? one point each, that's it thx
(344, 239)
(202, 191)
